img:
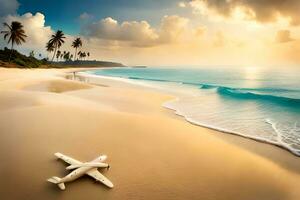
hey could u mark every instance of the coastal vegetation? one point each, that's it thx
(14, 34)
(12, 58)
(76, 44)
(56, 41)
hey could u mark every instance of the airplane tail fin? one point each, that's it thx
(56, 180)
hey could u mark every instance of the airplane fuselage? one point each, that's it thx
(75, 174)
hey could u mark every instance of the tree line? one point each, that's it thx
(15, 35)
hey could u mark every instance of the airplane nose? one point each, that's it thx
(110, 185)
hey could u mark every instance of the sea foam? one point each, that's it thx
(265, 108)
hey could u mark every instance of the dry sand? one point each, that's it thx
(152, 153)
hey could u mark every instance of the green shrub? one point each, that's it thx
(20, 59)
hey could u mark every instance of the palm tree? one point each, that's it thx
(49, 48)
(67, 56)
(79, 54)
(88, 55)
(57, 40)
(84, 55)
(58, 55)
(31, 54)
(76, 44)
(15, 33)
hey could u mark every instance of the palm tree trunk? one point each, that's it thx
(54, 53)
(11, 50)
(75, 54)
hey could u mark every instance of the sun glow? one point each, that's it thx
(252, 73)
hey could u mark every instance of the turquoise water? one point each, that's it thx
(259, 104)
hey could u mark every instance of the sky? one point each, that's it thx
(166, 32)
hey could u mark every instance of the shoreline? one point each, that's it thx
(189, 120)
(41, 113)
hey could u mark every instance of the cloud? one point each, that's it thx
(139, 34)
(181, 4)
(34, 26)
(283, 36)
(172, 28)
(85, 16)
(267, 11)
(8, 7)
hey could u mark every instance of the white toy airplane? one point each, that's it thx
(88, 168)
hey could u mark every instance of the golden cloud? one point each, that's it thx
(141, 34)
(283, 36)
(267, 11)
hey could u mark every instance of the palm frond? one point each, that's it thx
(15, 33)
(6, 35)
(6, 25)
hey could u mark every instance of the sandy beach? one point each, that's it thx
(153, 153)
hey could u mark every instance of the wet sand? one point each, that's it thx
(153, 154)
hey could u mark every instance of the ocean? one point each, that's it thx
(262, 104)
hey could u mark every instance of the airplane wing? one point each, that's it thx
(89, 164)
(94, 173)
(67, 159)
